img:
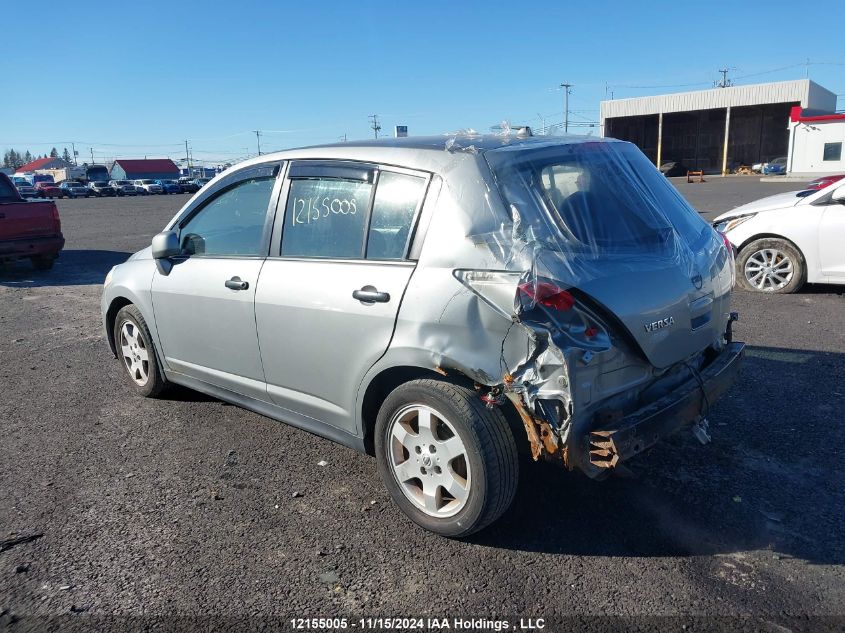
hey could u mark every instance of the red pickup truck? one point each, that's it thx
(29, 230)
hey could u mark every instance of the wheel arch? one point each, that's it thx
(392, 377)
(766, 236)
(111, 314)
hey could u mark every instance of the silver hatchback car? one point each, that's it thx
(442, 303)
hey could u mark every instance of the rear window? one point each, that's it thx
(596, 196)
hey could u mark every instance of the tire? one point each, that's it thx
(771, 265)
(43, 262)
(475, 444)
(136, 340)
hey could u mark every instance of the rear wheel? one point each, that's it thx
(135, 349)
(771, 265)
(43, 262)
(449, 463)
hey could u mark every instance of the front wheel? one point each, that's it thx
(447, 461)
(770, 265)
(135, 349)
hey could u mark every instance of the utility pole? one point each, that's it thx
(73, 147)
(343, 138)
(92, 154)
(725, 83)
(375, 125)
(258, 140)
(566, 91)
(188, 158)
(543, 121)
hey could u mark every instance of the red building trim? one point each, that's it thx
(796, 117)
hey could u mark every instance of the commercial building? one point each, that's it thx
(718, 129)
(154, 168)
(815, 143)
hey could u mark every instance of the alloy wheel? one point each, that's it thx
(135, 354)
(769, 269)
(429, 461)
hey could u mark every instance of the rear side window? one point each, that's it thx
(232, 224)
(394, 208)
(326, 217)
(7, 191)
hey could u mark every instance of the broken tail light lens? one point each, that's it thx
(730, 248)
(548, 295)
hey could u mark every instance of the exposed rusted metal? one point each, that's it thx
(530, 427)
(440, 371)
(541, 435)
(602, 450)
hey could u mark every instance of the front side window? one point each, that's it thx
(832, 151)
(326, 217)
(394, 208)
(232, 224)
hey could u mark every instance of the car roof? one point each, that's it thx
(422, 152)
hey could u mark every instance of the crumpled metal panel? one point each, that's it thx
(534, 233)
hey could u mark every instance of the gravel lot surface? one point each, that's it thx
(179, 513)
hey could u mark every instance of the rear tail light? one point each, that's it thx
(54, 213)
(727, 243)
(548, 294)
(730, 248)
(510, 295)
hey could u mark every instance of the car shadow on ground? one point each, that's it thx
(769, 480)
(178, 393)
(822, 289)
(72, 268)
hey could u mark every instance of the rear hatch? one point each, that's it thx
(607, 223)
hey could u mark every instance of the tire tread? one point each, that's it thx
(497, 446)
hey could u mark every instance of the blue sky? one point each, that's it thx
(138, 78)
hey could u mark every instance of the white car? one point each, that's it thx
(123, 187)
(788, 239)
(146, 186)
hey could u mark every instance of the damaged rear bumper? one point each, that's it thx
(612, 442)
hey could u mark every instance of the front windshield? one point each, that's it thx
(597, 196)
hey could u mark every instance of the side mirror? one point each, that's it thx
(839, 195)
(166, 245)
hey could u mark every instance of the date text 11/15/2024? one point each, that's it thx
(410, 624)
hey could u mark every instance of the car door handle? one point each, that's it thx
(369, 294)
(235, 283)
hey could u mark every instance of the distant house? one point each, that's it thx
(154, 168)
(43, 163)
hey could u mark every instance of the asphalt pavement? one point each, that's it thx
(187, 512)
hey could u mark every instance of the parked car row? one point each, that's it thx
(101, 188)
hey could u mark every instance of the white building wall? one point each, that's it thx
(806, 148)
